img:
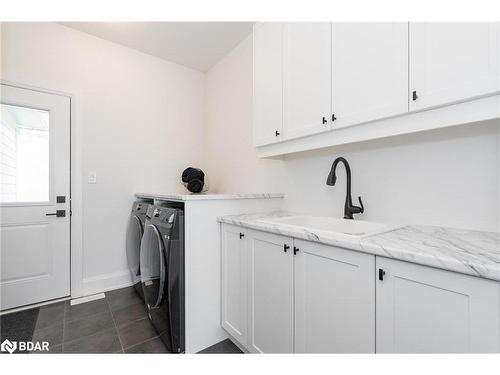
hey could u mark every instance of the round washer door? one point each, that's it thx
(153, 271)
(134, 236)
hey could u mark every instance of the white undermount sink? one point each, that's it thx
(330, 224)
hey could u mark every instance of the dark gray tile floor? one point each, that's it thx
(115, 324)
(223, 347)
(18, 326)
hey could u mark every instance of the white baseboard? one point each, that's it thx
(104, 283)
(237, 343)
(28, 307)
(93, 297)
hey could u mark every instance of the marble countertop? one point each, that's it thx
(469, 252)
(208, 196)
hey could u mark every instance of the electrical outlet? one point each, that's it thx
(92, 178)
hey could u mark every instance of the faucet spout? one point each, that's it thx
(349, 208)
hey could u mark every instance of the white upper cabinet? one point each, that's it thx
(426, 310)
(452, 62)
(314, 80)
(334, 299)
(268, 83)
(307, 78)
(369, 71)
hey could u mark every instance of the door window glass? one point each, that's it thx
(24, 154)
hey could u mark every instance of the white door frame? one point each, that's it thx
(76, 170)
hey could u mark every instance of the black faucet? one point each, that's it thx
(349, 208)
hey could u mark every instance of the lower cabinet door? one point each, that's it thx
(234, 282)
(425, 310)
(334, 300)
(271, 293)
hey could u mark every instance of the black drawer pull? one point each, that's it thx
(381, 274)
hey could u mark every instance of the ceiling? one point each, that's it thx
(198, 45)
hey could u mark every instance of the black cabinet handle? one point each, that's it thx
(295, 250)
(242, 235)
(333, 117)
(414, 95)
(324, 120)
(276, 133)
(286, 247)
(381, 274)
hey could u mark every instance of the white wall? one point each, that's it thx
(232, 160)
(444, 177)
(140, 120)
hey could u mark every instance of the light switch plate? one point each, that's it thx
(92, 178)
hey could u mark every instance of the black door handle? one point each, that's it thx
(242, 235)
(58, 213)
(295, 250)
(285, 247)
(324, 120)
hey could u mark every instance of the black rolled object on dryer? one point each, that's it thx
(193, 179)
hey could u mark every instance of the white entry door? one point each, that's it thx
(34, 197)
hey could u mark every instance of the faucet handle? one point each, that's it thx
(361, 203)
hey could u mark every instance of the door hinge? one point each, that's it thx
(381, 274)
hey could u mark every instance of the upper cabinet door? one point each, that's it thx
(369, 71)
(452, 62)
(307, 77)
(268, 82)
